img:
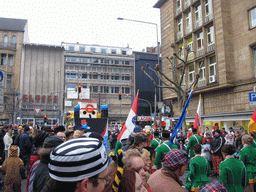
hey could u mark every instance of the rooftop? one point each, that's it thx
(8, 24)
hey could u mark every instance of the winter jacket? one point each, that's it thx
(25, 144)
(7, 141)
(216, 145)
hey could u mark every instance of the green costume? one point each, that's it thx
(248, 156)
(233, 174)
(194, 139)
(155, 143)
(254, 143)
(118, 146)
(197, 176)
(160, 152)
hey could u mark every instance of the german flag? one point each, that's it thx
(252, 124)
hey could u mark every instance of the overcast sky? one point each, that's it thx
(87, 21)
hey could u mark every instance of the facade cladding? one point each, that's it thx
(143, 83)
(222, 36)
(106, 71)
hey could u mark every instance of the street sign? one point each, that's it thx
(37, 110)
(252, 98)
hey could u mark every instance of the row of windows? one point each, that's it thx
(198, 18)
(7, 59)
(196, 43)
(103, 89)
(97, 76)
(5, 40)
(211, 61)
(97, 60)
(93, 50)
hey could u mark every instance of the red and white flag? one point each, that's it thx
(130, 121)
(198, 116)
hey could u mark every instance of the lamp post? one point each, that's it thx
(149, 106)
(120, 18)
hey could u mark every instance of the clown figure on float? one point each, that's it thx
(88, 109)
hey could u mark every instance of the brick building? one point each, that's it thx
(222, 35)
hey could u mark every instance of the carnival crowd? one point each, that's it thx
(75, 159)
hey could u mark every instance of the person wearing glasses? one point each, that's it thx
(79, 164)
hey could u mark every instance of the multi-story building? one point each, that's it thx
(222, 37)
(144, 84)
(41, 84)
(106, 71)
(13, 32)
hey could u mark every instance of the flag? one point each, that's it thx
(130, 121)
(198, 116)
(181, 119)
(252, 124)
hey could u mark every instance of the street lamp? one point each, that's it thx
(150, 107)
(120, 18)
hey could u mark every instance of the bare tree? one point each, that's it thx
(175, 83)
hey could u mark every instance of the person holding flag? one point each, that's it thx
(129, 125)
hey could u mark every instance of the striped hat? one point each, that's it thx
(77, 159)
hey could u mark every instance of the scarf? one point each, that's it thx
(167, 172)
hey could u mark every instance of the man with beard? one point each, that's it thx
(216, 146)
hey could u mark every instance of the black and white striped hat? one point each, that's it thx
(77, 159)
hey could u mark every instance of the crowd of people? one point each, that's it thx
(71, 159)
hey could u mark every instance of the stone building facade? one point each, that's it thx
(222, 35)
(105, 71)
(41, 84)
(13, 32)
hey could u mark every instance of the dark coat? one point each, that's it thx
(216, 145)
(25, 144)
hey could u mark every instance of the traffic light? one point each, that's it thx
(45, 118)
(120, 95)
(79, 88)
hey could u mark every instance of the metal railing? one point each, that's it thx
(5, 45)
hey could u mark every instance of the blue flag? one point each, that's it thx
(181, 119)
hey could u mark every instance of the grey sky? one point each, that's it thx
(87, 21)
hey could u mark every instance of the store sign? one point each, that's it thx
(143, 118)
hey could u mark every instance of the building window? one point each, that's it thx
(123, 52)
(5, 41)
(114, 89)
(200, 41)
(107, 61)
(104, 89)
(208, 7)
(84, 75)
(254, 58)
(190, 46)
(82, 49)
(84, 59)
(113, 51)
(93, 49)
(14, 39)
(116, 61)
(181, 50)
(188, 22)
(94, 89)
(70, 85)
(94, 60)
(3, 59)
(126, 90)
(115, 77)
(104, 76)
(178, 4)
(252, 17)
(71, 75)
(103, 50)
(71, 48)
(9, 81)
(126, 78)
(198, 16)
(202, 70)
(191, 74)
(210, 35)
(10, 60)
(212, 66)
(179, 21)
